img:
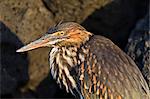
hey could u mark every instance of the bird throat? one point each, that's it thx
(62, 61)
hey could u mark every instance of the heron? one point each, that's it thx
(90, 66)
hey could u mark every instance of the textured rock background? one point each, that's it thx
(14, 66)
(30, 19)
(116, 19)
(138, 47)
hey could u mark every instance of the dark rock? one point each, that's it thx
(14, 66)
(49, 89)
(138, 47)
(116, 19)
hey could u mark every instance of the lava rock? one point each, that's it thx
(116, 19)
(138, 47)
(14, 66)
(48, 88)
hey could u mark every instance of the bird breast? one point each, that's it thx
(61, 61)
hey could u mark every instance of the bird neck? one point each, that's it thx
(64, 64)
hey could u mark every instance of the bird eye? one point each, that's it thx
(61, 33)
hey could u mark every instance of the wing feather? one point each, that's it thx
(113, 75)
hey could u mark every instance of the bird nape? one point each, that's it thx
(90, 66)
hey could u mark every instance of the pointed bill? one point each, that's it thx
(35, 44)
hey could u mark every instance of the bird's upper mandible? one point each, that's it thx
(90, 66)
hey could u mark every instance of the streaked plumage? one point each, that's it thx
(90, 66)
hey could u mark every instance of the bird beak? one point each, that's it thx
(42, 42)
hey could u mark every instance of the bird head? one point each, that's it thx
(61, 35)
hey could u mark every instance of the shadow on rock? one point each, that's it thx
(49, 89)
(116, 20)
(14, 66)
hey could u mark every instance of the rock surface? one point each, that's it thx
(116, 19)
(14, 66)
(138, 47)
